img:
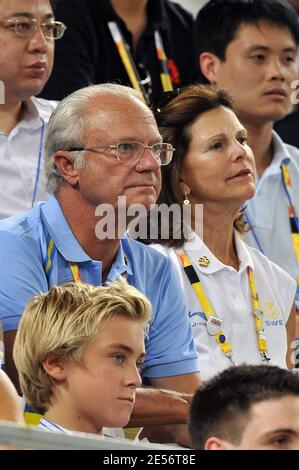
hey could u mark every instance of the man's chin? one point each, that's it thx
(276, 114)
(33, 89)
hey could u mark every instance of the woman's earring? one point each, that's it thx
(186, 200)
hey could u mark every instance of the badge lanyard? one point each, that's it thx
(292, 211)
(164, 73)
(40, 153)
(210, 315)
(48, 263)
(293, 217)
(129, 64)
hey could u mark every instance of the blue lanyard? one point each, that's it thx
(254, 234)
(40, 153)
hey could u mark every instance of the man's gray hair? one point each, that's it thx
(69, 122)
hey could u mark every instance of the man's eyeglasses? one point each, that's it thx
(133, 151)
(27, 27)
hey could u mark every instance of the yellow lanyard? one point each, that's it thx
(164, 75)
(75, 272)
(292, 211)
(211, 319)
(293, 216)
(48, 263)
(129, 64)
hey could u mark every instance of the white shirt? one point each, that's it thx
(110, 433)
(268, 210)
(47, 425)
(19, 155)
(229, 294)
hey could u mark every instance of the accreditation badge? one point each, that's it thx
(214, 325)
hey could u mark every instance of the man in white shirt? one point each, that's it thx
(250, 47)
(27, 34)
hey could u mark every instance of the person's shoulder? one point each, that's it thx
(176, 10)
(70, 9)
(288, 149)
(291, 149)
(287, 128)
(294, 152)
(21, 224)
(44, 107)
(271, 269)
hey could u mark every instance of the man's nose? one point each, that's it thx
(38, 41)
(276, 70)
(148, 161)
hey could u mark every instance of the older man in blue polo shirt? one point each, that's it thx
(102, 143)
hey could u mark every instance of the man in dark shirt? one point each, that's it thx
(88, 53)
(287, 127)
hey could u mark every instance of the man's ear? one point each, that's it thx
(215, 443)
(66, 167)
(54, 366)
(209, 65)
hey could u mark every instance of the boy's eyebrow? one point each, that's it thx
(242, 132)
(125, 347)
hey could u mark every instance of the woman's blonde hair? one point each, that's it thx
(64, 321)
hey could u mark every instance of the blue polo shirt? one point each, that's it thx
(24, 241)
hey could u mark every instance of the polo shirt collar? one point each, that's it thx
(67, 244)
(31, 118)
(280, 153)
(196, 250)
(121, 264)
(61, 233)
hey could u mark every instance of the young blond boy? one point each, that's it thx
(78, 351)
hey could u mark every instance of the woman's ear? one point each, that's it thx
(184, 188)
(54, 366)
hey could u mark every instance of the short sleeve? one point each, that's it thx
(21, 277)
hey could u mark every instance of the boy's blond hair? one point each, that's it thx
(64, 321)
